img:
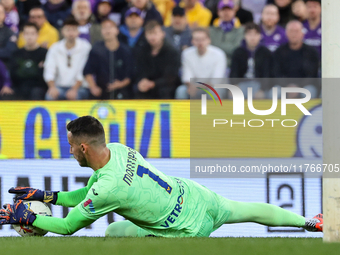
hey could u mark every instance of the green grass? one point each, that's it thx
(173, 246)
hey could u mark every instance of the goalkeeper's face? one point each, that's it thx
(77, 150)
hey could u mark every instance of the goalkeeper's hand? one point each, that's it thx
(16, 214)
(27, 193)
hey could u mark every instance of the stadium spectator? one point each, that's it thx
(179, 33)
(88, 28)
(273, 35)
(312, 26)
(64, 65)
(132, 33)
(256, 7)
(227, 32)
(24, 7)
(26, 66)
(202, 60)
(285, 11)
(242, 14)
(149, 11)
(197, 14)
(119, 7)
(299, 10)
(109, 67)
(296, 59)
(47, 33)
(12, 16)
(6, 92)
(92, 4)
(165, 7)
(7, 39)
(251, 61)
(56, 12)
(211, 5)
(158, 63)
(103, 10)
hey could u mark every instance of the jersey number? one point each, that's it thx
(142, 170)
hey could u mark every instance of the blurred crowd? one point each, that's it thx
(155, 49)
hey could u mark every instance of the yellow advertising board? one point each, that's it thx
(156, 128)
(38, 129)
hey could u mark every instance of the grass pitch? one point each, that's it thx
(153, 245)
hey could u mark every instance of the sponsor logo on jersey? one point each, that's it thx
(177, 209)
(87, 202)
(90, 204)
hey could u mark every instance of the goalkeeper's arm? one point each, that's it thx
(73, 198)
(66, 198)
(64, 226)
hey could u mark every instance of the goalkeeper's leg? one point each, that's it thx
(266, 214)
(125, 228)
(262, 213)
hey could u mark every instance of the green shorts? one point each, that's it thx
(216, 215)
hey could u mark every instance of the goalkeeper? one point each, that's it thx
(152, 202)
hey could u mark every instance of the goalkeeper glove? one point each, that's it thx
(27, 193)
(16, 214)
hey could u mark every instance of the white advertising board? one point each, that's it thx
(298, 194)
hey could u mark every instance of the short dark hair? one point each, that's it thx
(70, 21)
(89, 128)
(201, 29)
(108, 20)
(30, 24)
(152, 24)
(252, 26)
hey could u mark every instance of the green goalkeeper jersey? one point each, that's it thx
(133, 188)
(160, 204)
